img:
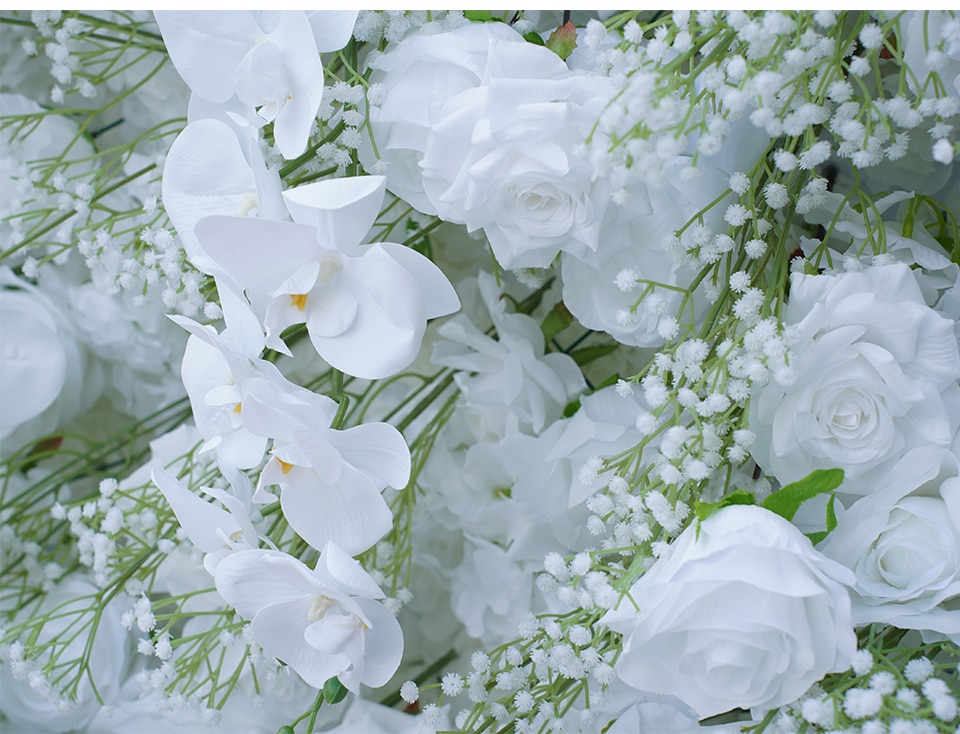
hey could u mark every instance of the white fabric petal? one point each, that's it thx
(378, 451)
(206, 47)
(343, 209)
(350, 512)
(33, 362)
(199, 519)
(332, 29)
(248, 581)
(439, 296)
(257, 254)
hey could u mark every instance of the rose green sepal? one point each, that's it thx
(563, 40)
(334, 691)
(787, 501)
(534, 38)
(481, 16)
(816, 538)
(704, 510)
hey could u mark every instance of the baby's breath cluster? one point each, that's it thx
(892, 687)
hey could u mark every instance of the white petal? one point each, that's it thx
(206, 47)
(386, 334)
(33, 363)
(336, 569)
(331, 310)
(384, 644)
(250, 580)
(199, 519)
(280, 630)
(342, 209)
(378, 451)
(439, 296)
(257, 254)
(332, 29)
(350, 512)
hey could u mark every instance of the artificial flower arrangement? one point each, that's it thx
(466, 371)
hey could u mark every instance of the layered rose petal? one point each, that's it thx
(743, 613)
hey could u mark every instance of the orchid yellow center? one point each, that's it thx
(284, 466)
(299, 300)
(238, 407)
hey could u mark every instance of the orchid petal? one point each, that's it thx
(257, 254)
(378, 451)
(350, 512)
(199, 519)
(439, 296)
(386, 334)
(250, 580)
(207, 46)
(331, 310)
(384, 644)
(342, 573)
(332, 29)
(280, 630)
(205, 173)
(343, 210)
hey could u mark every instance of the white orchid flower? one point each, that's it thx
(365, 306)
(323, 622)
(269, 60)
(209, 170)
(215, 531)
(330, 480)
(214, 369)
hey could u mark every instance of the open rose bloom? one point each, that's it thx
(526, 371)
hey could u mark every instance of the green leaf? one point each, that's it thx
(817, 537)
(563, 40)
(534, 38)
(787, 501)
(737, 497)
(556, 321)
(334, 691)
(478, 16)
(570, 408)
(831, 514)
(588, 354)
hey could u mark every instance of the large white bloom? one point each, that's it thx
(876, 375)
(418, 76)
(903, 543)
(744, 613)
(502, 158)
(323, 622)
(47, 377)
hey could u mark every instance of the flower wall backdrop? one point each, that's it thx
(484, 372)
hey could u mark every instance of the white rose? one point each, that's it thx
(47, 378)
(903, 544)
(877, 374)
(418, 76)
(746, 615)
(502, 157)
(33, 707)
